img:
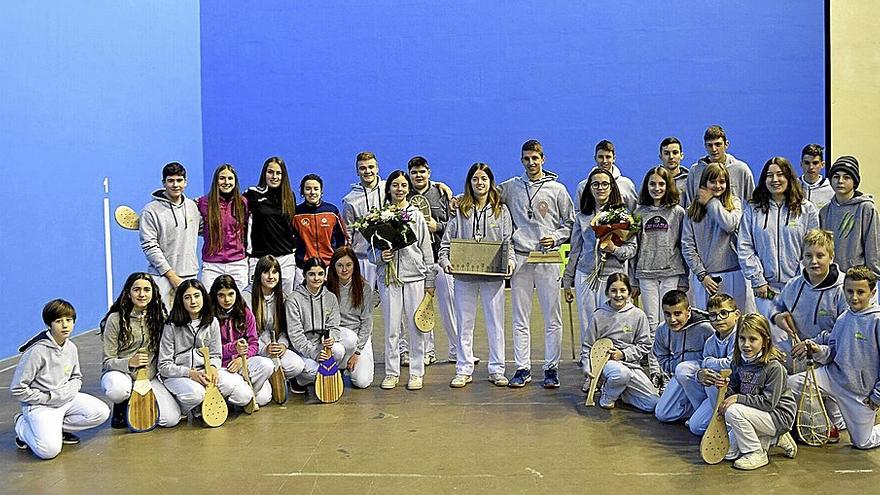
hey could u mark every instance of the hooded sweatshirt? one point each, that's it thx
(585, 253)
(660, 242)
(357, 203)
(814, 308)
(116, 357)
(439, 212)
(820, 193)
(718, 351)
(540, 208)
(765, 388)
(742, 182)
(229, 336)
(852, 356)
(311, 317)
(169, 235)
(709, 246)
(414, 262)
(672, 348)
(232, 245)
(770, 245)
(47, 374)
(625, 185)
(628, 330)
(319, 232)
(271, 230)
(482, 224)
(860, 245)
(179, 348)
(358, 320)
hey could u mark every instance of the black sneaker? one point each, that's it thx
(658, 382)
(295, 387)
(18, 442)
(551, 378)
(117, 420)
(68, 438)
(520, 379)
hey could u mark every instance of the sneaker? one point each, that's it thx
(414, 383)
(605, 403)
(658, 382)
(18, 442)
(520, 379)
(295, 387)
(834, 435)
(460, 381)
(117, 420)
(551, 378)
(68, 438)
(476, 360)
(389, 382)
(786, 443)
(452, 358)
(752, 460)
(430, 359)
(499, 379)
(404, 358)
(732, 454)
(585, 388)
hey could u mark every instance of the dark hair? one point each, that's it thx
(669, 140)
(264, 264)
(312, 263)
(604, 145)
(288, 202)
(173, 168)
(588, 202)
(469, 198)
(533, 145)
(357, 281)
(154, 314)
(794, 195)
(813, 150)
(239, 212)
(237, 312)
(417, 161)
(315, 177)
(58, 308)
(674, 298)
(180, 316)
(720, 299)
(670, 197)
(862, 272)
(391, 177)
(714, 132)
(618, 277)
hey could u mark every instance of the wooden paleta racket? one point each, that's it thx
(252, 406)
(143, 410)
(126, 217)
(422, 204)
(598, 357)
(424, 317)
(277, 381)
(214, 409)
(715, 442)
(328, 383)
(811, 418)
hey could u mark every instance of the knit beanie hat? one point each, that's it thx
(849, 165)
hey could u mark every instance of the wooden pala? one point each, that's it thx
(598, 357)
(277, 381)
(143, 409)
(715, 442)
(126, 217)
(252, 406)
(214, 409)
(328, 383)
(424, 317)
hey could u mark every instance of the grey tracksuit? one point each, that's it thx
(860, 243)
(483, 224)
(659, 242)
(708, 246)
(179, 348)
(357, 203)
(742, 182)
(820, 193)
(310, 318)
(169, 235)
(814, 308)
(540, 208)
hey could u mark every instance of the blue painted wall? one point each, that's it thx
(471, 80)
(89, 89)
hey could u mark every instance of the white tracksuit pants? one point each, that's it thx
(858, 417)
(631, 385)
(587, 300)
(491, 293)
(545, 278)
(749, 429)
(362, 374)
(260, 369)
(399, 304)
(40, 426)
(238, 270)
(653, 290)
(290, 274)
(676, 404)
(343, 347)
(190, 393)
(117, 388)
(444, 289)
(291, 363)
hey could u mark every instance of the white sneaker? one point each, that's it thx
(499, 379)
(786, 443)
(415, 383)
(389, 382)
(752, 460)
(460, 381)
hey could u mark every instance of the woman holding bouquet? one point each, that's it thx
(405, 274)
(593, 259)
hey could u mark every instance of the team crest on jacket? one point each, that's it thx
(627, 329)
(543, 208)
(860, 336)
(304, 221)
(656, 223)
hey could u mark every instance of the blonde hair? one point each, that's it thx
(754, 322)
(820, 238)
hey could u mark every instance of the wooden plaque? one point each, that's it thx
(553, 257)
(469, 257)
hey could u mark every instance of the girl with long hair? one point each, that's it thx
(225, 218)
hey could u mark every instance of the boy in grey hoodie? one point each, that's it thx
(671, 155)
(742, 181)
(817, 189)
(169, 232)
(47, 380)
(852, 217)
(542, 214)
(851, 354)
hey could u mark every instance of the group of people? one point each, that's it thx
(785, 268)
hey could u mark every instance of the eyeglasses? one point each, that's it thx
(721, 315)
(600, 185)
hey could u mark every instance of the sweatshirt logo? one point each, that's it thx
(656, 223)
(860, 336)
(627, 329)
(304, 221)
(68, 369)
(824, 312)
(543, 208)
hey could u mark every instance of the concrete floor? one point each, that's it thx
(480, 439)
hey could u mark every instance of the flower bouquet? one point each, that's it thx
(387, 228)
(612, 227)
